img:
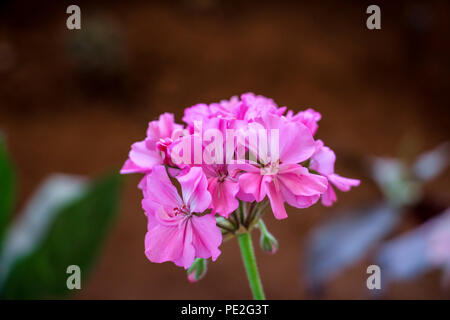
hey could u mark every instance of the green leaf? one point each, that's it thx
(6, 191)
(74, 238)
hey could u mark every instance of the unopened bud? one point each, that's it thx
(267, 241)
(198, 270)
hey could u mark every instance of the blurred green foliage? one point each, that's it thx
(6, 190)
(74, 238)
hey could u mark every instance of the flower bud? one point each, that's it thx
(267, 241)
(198, 270)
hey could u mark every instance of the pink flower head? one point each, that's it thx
(176, 230)
(234, 151)
(281, 177)
(323, 162)
(152, 151)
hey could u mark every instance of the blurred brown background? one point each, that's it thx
(74, 101)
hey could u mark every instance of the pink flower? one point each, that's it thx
(323, 162)
(281, 178)
(239, 150)
(175, 231)
(223, 186)
(152, 151)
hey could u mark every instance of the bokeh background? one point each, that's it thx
(74, 101)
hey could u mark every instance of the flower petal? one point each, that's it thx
(323, 160)
(160, 191)
(143, 157)
(276, 200)
(194, 188)
(130, 167)
(343, 184)
(223, 195)
(296, 143)
(207, 237)
(252, 183)
(170, 243)
(329, 197)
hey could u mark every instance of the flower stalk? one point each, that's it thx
(248, 257)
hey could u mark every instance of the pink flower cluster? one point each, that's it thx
(294, 168)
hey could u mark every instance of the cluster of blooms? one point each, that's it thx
(288, 165)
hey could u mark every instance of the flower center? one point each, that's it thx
(270, 168)
(182, 210)
(222, 176)
(162, 144)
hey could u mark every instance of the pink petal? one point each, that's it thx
(164, 243)
(143, 183)
(343, 184)
(163, 127)
(143, 157)
(223, 195)
(249, 167)
(247, 197)
(299, 181)
(300, 202)
(130, 167)
(207, 237)
(160, 191)
(199, 111)
(290, 177)
(323, 161)
(252, 183)
(296, 143)
(194, 187)
(311, 184)
(329, 197)
(309, 118)
(276, 200)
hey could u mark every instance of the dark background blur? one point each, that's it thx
(74, 101)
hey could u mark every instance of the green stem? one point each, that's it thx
(262, 226)
(248, 256)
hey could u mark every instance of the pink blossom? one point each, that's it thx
(223, 186)
(152, 151)
(282, 178)
(183, 227)
(323, 162)
(175, 231)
